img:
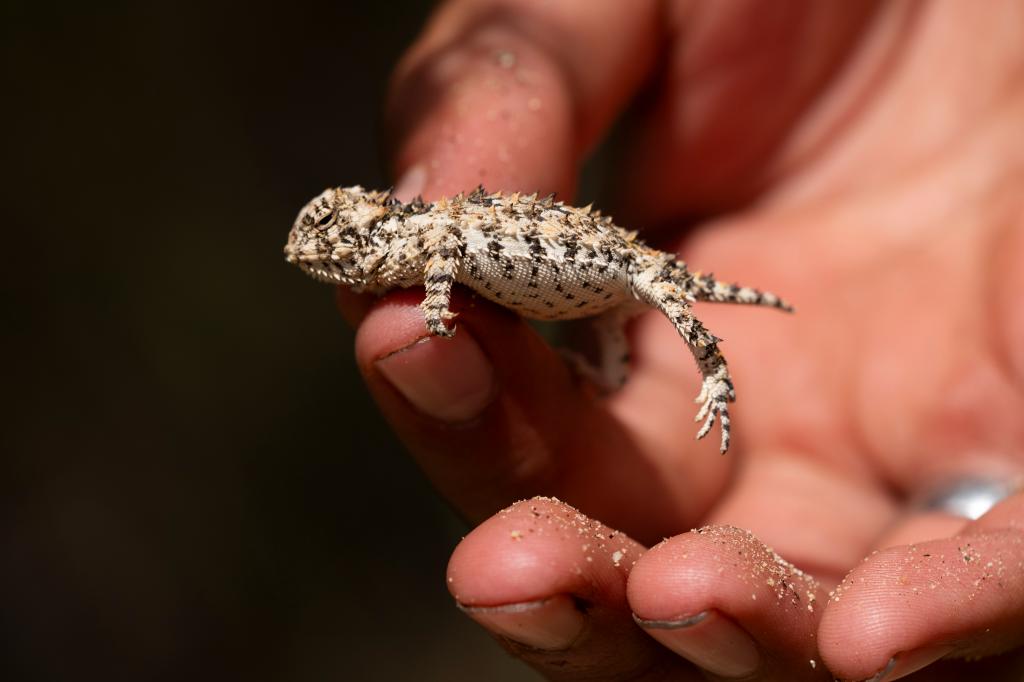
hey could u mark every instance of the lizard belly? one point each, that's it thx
(544, 289)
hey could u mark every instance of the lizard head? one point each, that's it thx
(332, 236)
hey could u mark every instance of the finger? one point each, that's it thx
(909, 606)
(512, 95)
(726, 602)
(739, 83)
(493, 415)
(550, 585)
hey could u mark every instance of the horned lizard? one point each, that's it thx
(538, 257)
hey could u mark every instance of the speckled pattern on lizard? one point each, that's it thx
(536, 256)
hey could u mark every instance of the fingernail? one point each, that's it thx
(552, 624)
(905, 663)
(448, 379)
(884, 672)
(709, 640)
(411, 183)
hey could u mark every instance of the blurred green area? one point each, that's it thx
(198, 484)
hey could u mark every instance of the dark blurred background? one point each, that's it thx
(198, 486)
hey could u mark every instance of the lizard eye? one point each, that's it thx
(325, 219)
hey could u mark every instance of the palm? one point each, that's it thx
(885, 380)
(883, 203)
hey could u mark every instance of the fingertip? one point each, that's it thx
(549, 582)
(759, 603)
(919, 602)
(388, 324)
(537, 548)
(862, 610)
(448, 379)
(720, 567)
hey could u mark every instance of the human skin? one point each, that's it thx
(865, 161)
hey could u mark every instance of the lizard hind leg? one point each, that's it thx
(613, 356)
(716, 387)
(716, 390)
(613, 346)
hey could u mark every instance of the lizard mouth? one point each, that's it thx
(319, 270)
(324, 272)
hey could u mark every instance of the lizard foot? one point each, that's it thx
(438, 324)
(715, 395)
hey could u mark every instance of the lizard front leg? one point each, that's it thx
(716, 392)
(438, 276)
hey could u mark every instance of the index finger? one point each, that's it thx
(512, 95)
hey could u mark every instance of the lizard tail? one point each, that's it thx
(706, 288)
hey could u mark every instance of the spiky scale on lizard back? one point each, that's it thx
(537, 256)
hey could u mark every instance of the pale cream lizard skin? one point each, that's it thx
(538, 257)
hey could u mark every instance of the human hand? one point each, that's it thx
(863, 161)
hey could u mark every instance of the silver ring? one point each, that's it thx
(970, 498)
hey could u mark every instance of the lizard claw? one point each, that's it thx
(437, 327)
(437, 323)
(715, 395)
